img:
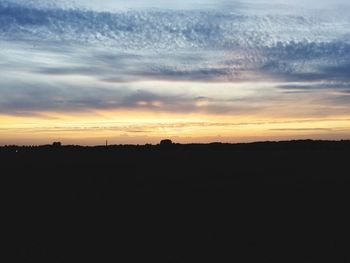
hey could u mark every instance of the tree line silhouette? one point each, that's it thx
(267, 201)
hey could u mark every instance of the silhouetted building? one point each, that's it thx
(57, 144)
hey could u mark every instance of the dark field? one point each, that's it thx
(263, 202)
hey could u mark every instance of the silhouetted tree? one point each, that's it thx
(166, 142)
(57, 144)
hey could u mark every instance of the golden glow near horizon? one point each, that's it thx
(123, 127)
(227, 112)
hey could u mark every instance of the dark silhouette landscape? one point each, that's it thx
(259, 202)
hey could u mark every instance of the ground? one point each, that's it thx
(265, 202)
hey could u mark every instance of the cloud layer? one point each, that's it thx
(84, 55)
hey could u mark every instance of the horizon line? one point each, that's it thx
(172, 143)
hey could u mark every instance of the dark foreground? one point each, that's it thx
(266, 202)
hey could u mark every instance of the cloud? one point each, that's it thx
(303, 129)
(309, 62)
(68, 57)
(130, 30)
(35, 98)
(293, 66)
(316, 86)
(165, 28)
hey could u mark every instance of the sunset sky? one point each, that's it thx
(137, 71)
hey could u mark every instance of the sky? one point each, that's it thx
(138, 71)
